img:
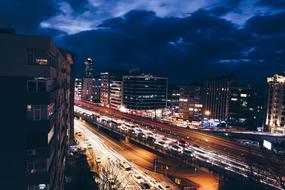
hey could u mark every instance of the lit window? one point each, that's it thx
(29, 108)
(243, 95)
(42, 61)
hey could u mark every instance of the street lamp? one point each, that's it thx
(207, 113)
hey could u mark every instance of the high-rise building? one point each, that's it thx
(116, 94)
(216, 97)
(245, 108)
(275, 115)
(91, 89)
(190, 102)
(88, 68)
(36, 112)
(173, 101)
(90, 84)
(144, 92)
(106, 80)
(78, 88)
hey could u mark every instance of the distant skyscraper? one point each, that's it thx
(90, 84)
(89, 68)
(190, 102)
(37, 121)
(216, 97)
(275, 115)
(144, 92)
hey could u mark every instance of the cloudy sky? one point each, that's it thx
(186, 40)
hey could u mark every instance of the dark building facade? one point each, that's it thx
(37, 111)
(245, 108)
(216, 97)
(91, 87)
(190, 102)
(144, 92)
(173, 101)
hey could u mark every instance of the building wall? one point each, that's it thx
(91, 89)
(275, 115)
(37, 83)
(245, 108)
(145, 92)
(216, 97)
(190, 102)
(105, 89)
(115, 94)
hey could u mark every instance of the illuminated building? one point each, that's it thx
(245, 108)
(275, 115)
(144, 92)
(78, 88)
(216, 97)
(173, 101)
(105, 91)
(116, 94)
(190, 102)
(37, 116)
(90, 84)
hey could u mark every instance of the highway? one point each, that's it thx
(233, 149)
(232, 152)
(144, 159)
(126, 173)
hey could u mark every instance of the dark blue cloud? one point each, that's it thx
(185, 49)
(267, 24)
(185, 40)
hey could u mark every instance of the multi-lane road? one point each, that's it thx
(206, 140)
(115, 167)
(231, 150)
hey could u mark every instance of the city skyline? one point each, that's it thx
(142, 94)
(196, 40)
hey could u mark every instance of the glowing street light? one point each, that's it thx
(207, 113)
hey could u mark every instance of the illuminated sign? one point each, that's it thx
(267, 144)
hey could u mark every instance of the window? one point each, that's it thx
(32, 86)
(41, 61)
(40, 112)
(38, 187)
(31, 152)
(37, 166)
(40, 85)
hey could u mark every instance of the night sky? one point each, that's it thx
(186, 40)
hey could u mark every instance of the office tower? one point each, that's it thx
(144, 92)
(90, 84)
(88, 68)
(245, 108)
(216, 97)
(116, 94)
(275, 115)
(36, 112)
(190, 102)
(105, 91)
(91, 89)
